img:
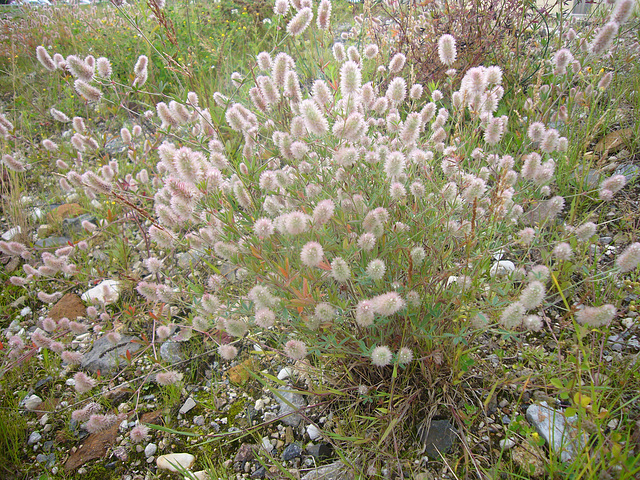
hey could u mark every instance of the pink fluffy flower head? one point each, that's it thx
(388, 303)
(295, 349)
(381, 356)
(447, 49)
(139, 433)
(311, 254)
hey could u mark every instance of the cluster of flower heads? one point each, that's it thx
(387, 130)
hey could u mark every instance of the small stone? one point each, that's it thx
(150, 450)
(507, 443)
(198, 421)
(245, 453)
(199, 475)
(285, 373)
(74, 225)
(333, 471)
(290, 402)
(259, 473)
(32, 402)
(320, 451)
(172, 460)
(11, 233)
(171, 352)
(105, 356)
(313, 432)
(34, 438)
(188, 405)
(293, 450)
(51, 242)
(106, 292)
(502, 268)
(259, 406)
(266, 444)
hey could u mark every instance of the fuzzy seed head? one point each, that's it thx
(447, 49)
(295, 349)
(381, 356)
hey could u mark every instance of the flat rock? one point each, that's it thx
(183, 461)
(51, 242)
(74, 225)
(563, 437)
(291, 451)
(321, 451)
(188, 405)
(245, 453)
(107, 291)
(69, 306)
(290, 402)
(333, 471)
(105, 356)
(171, 352)
(438, 437)
(11, 233)
(95, 446)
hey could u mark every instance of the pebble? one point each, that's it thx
(34, 438)
(167, 462)
(292, 451)
(507, 443)
(150, 450)
(502, 268)
(32, 403)
(259, 405)
(188, 405)
(313, 432)
(108, 291)
(285, 373)
(266, 444)
(199, 420)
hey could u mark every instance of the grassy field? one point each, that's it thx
(407, 230)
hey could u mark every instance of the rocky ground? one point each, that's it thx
(254, 416)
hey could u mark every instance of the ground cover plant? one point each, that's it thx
(266, 237)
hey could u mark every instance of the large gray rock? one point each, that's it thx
(106, 356)
(559, 432)
(290, 402)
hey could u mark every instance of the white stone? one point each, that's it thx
(559, 432)
(32, 403)
(9, 234)
(266, 444)
(259, 406)
(502, 268)
(37, 214)
(286, 372)
(25, 311)
(106, 292)
(188, 405)
(170, 461)
(200, 475)
(313, 432)
(150, 450)
(507, 443)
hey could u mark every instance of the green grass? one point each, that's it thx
(196, 47)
